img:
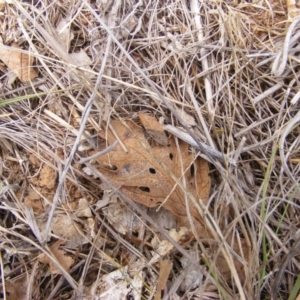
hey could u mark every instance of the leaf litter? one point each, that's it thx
(225, 73)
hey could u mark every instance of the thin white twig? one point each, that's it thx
(207, 150)
(94, 156)
(62, 122)
(283, 157)
(281, 59)
(195, 9)
(268, 92)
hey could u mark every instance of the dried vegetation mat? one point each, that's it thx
(149, 149)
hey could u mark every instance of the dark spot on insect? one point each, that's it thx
(171, 156)
(152, 171)
(144, 189)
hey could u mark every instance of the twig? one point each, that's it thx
(208, 89)
(210, 152)
(94, 156)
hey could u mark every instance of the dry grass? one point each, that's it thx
(233, 67)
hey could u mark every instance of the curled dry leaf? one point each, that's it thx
(193, 272)
(119, 284)
(242, 250)
(73, 233)
(83, 209)
(162, 248)
(149, 175)
(189, 120)
(154, 129)
(33, 200)
(165, 267)
(81, 59)
(121, 218)
(46, 177)
(20, 289)
(19, 63)
(60, 255)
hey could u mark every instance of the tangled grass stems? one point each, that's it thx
(231, 67)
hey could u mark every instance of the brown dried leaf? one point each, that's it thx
(188, 120)
(122, 218)
(164, 272)
(33, 200)
(19, 63)
(222, 264)
(60, 255)
(140, 175)
(47, 177)
(72, 233)
(19, 288)
(154, 129)
(83, 209)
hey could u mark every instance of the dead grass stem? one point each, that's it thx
(232, 67)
